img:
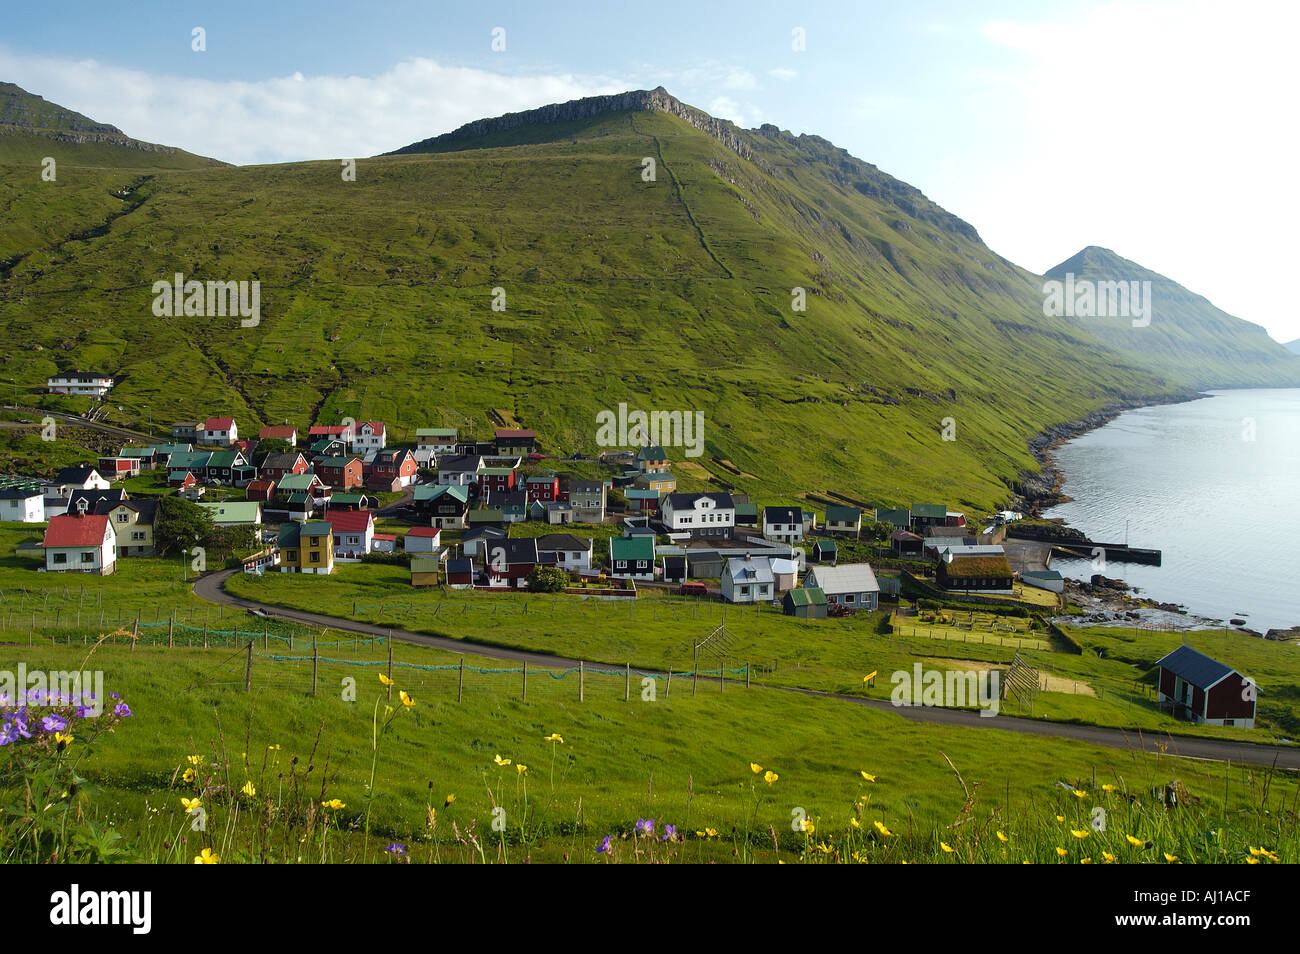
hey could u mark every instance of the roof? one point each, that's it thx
(748, 571)
(316, 528)
(782, 515)
(18, 493)
(74, 475)
(460, 565)
(585, 486)
(930, 511)
(845, 578)
(293, 482)
(685, 501)
(563, 541)
(278, 432)
(326, 430)
(288, 535)
(147, 508)
(519, 551)
(746, 510)
(391, 454)
(977, 565)
(636, 493)
(222, 459)
(542, 479)
(842, 514)
(806, 596)
(783, 567)
(339, 500)
(188, 460)
(1197, 668)
(484, 532)
(632, 548)
(386, 536)
(436, 432)
(463, 463)
(1052, 575)
(76, 531)
(350, 521)
(651, 453)
(497, 471)
(431, 532)
(425, 564)
(509, 433)
(434, 491)
(826, 546)
(486, 515)
(240, 511)
(337, 460)
(905, 536)
(218, 423)
(376, 427)
(891, 515)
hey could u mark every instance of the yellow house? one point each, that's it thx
(132, 523)
(659, 481)
(306, 547)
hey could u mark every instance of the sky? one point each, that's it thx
(1161, 130)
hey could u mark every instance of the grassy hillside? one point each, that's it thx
(672, 294)
(1187, 339)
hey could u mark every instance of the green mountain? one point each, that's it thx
(671, 292)
(1184, 337)
(32, 129)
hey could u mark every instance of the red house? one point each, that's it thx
(340, 473)
(496, 480)
(260, 490)
(389, 466)
(543, 489)
(279, 432)
(508, 562)
(1201, 689)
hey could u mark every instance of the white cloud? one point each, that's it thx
(783, 73)
(292, 117)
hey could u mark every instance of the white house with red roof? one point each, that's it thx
(423, 540)
(219, 430)
(80, 543)
(354, 532)
(279, 432)
(368, 436)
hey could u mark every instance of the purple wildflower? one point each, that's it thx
(121, 709)
(393, 849)
(670, 833)
(54, 723)
(645, 826)
(603, 846)
(115, 696)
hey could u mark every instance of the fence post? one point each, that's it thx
(315, 663)
(627, 682)
(460, 681)
(171, 622)
(205, 631)
(390, 667)
(746, 675)
(264, 636)
(248, 668)
(525, 693)
(135, 633)
(695, 668)
(580, 680)
(669, 687)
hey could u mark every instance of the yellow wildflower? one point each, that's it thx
(1079, 833)
(1108, 857)
(521, 768)
(406, 700)
(554, 737)
(333, 803)
(1170, 858)
(194, 759)
(190, 775)
(755, 767)
(770, 777)
(868, 776)
(385, 680)
(206, 857)
(448, 800)
(880, 827)
(1002, 837)
(1062, 852)
(1135, 842)
(248, 789)
(948, 849)
(191, 804)
(500, 761)
(1108, 788)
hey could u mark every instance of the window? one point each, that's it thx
(848, 598)
(1229, 721)
(315, 557)
(121, 518)
(60, 558)
(87, 556)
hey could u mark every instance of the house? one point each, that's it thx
(223, 467)
(132, 522)
(383, 543)
(88, 500)
(809, 520)
(432, 443)
(1049, 580)
(486, 517)
(805, 602)
(220, 431)
(350, 502)
(747, 515)
(565, 551)
(825, 551)
(76, 478)
(587, 498)
(495, 480)
(424, 570)
(235, 513)
(306, 548)
(422, 540)
(80, 543)
(632, 557)
(340, 473)
(89, 383)
(260, 490)
(119, 468)
(661, 482)
(275, 466)
(279, 432)
(906, 543)
(460, 471)
(929, 515)
(327, 431)
(652, 460)
(476, 541)
(368, 437)
(310, 484)
(145, 457)
(445, 506)
(746, 580)
(676, 569)
(22, 504)
(783, 524)
(328, 447)
(842, 519)
(700, 515)
(515, 443)
(460, 573)
(551, 511)
(392, 465)
(972, 573)
(785, 573)
(901, 519)
(508, 562)
(513, 506)
(1205, 690)
(642, 501)
(542, 488)
(851, 585)
(354, 532)
(182, 479)
(186, 432)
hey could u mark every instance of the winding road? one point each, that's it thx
(212, 588)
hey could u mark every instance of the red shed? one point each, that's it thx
(1204, 690)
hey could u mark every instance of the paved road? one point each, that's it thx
(80, 421)
(212, 587)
